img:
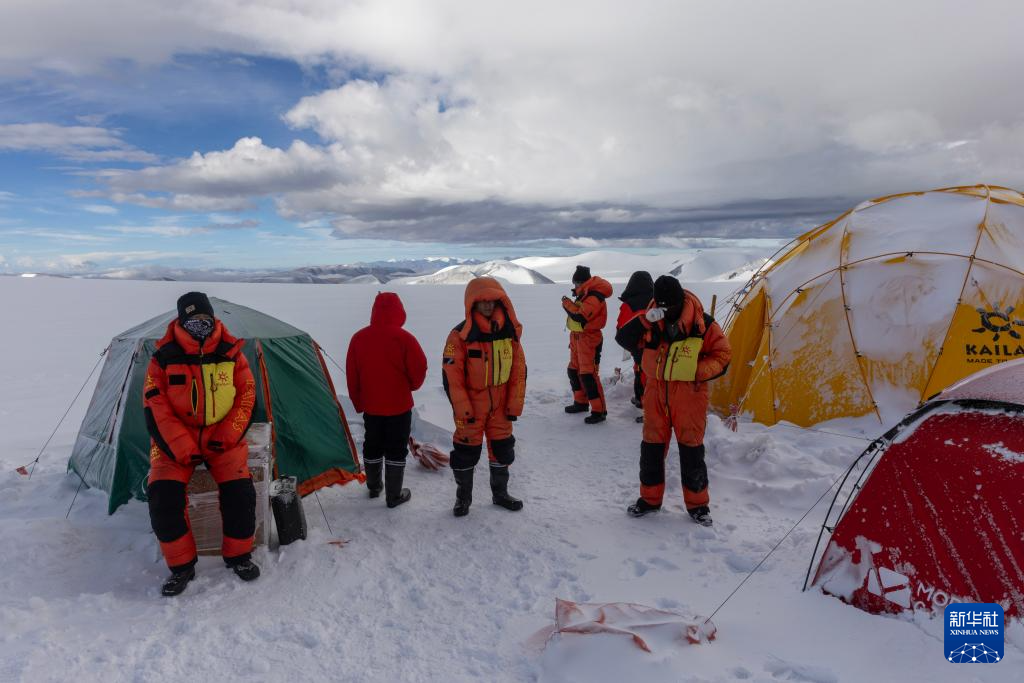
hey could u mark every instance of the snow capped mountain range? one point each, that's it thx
(507, 271)
(725, 263)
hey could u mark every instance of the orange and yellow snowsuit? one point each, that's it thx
(198, 401)
(679, 358)
(587, 316)
(484, 374)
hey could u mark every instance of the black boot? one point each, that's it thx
(701, 515)
(577, 408)
(499, 490)
(373, 477)
(641, 507)
(394, 493)
(463, 492)
(178, 581)
(246, 569)
(594, 418)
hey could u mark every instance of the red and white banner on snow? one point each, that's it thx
(648, 627)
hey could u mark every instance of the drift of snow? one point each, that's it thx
(1000, 451)
(415, 594)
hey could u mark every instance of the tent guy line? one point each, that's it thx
(64, 416)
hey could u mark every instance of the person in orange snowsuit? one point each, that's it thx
(484, 375)
(198, 401)
(684, 349)
(587, 314)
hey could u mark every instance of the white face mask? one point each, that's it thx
(199, 328)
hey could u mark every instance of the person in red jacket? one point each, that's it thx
(587, 315)
(629, 330)
(484, 374)
(198, 400)
(385, 364)
(684, 350)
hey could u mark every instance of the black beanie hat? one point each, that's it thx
(192, 304)
(668, 292)
(581, 275)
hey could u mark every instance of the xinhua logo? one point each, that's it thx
(974, 633)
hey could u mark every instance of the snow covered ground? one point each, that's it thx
(415, 594)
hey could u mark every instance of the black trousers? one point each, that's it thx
(386, 438)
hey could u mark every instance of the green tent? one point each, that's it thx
(311, 439)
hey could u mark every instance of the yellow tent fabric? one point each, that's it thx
(881, 308)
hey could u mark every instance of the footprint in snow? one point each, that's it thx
(662, 563)
(791, 671)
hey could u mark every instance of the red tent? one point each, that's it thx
(933, 511)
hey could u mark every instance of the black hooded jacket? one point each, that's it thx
(637, 295)
(639, 291)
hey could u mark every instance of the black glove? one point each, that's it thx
(511, 418)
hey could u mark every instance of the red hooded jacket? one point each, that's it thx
(385, 364)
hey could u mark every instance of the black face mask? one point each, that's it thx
(199, 328)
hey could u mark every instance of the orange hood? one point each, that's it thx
(488, 289)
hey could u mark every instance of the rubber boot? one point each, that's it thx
(499, 490)
(393, 491)
(577, 408)
(595, 418)
(463, 492)
(373, 477)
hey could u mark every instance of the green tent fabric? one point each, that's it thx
(311, 439)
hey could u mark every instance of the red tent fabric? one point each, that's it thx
(939, 516)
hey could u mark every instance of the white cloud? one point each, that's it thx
(226, 180)
(93, 259)
(154, 230)
(56, 235)
(80, 143)
(623, 110)
(104, 209)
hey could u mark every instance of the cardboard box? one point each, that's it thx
(204, 502)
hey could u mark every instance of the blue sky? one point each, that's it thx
(263, 134)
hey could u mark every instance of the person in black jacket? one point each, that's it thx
(628, 329)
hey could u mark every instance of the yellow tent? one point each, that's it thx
(880, 309)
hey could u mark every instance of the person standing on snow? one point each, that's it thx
(684, 349)
(385, 364)
(629, 329)
(198, 400)
(587, 315)
(484, 374)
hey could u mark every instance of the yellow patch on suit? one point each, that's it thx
(220, 390)
(501, 362)
(681, 360)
